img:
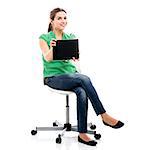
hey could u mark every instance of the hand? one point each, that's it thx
(53, 43)
(74, 59)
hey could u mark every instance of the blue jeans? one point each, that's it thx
(82, 86)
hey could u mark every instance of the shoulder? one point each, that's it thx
(46, 36)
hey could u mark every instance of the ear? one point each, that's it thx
(50, 20)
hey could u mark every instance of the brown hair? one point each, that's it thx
(52, 16)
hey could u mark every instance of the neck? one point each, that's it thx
(58, 33)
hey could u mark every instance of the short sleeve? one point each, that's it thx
(44, 37)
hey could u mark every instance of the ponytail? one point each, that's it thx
(49, 27)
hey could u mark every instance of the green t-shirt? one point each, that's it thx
(56, 67)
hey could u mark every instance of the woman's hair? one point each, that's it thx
(52, 16)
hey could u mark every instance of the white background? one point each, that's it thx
(114, 44)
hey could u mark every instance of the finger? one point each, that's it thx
(74, 59)
(53, 43)
(53, 40)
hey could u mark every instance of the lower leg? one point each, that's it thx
(82, 108)
(86, 83)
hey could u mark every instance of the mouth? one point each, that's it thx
(62, 25)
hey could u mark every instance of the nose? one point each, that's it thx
(63, 22)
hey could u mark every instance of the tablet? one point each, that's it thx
(66, 49)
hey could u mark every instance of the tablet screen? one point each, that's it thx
(66, 49)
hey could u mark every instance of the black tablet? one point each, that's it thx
(66, 49)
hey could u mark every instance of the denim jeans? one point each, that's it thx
(82, 86)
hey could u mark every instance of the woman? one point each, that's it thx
(63, 75)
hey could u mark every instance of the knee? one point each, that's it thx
(80, 92)
(86, 79)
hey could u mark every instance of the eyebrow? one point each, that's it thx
(61, 17)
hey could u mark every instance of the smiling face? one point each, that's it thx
(60, 21)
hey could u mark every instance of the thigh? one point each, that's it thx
(63, 82)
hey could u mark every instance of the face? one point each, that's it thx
(60, 21)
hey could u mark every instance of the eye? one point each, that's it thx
(65, 18)
(59, 18)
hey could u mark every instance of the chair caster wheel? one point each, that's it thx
(97, 136)
(33, 132)
(93, 127)
(54, 124)
(58, 139)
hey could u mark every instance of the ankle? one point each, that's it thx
(104, 116)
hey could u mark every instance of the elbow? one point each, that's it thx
(48, 58)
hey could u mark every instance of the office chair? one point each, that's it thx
(67, 126)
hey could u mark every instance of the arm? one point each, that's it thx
(76, 62)
(46, 51)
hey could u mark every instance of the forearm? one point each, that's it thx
(48, 55)
(46, 51)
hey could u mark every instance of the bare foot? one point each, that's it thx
(108, 119)
(84, 137)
